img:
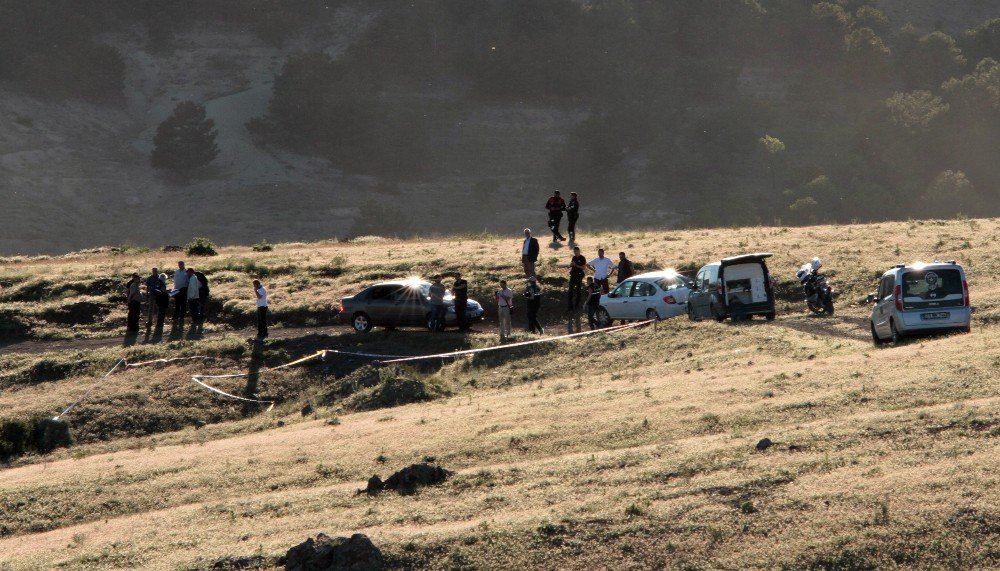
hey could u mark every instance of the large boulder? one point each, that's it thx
(326, 553)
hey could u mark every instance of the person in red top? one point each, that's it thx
(556, 206)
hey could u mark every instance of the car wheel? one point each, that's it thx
(897, 337)
(651, 315)
(769, 316)
(430, 326)
(876, 340)
(720, 317)
(361, 322)
(828, 307)
(603, 317)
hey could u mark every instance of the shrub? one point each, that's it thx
(185, 140)
(263, 246)
(40, 435)
(201, 247)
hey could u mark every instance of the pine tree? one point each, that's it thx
(185, 140)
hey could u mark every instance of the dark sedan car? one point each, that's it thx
(399, 304)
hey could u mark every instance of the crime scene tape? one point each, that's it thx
(321, 354)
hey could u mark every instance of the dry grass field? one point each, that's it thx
(628, 450)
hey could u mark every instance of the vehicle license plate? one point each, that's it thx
(937, 315)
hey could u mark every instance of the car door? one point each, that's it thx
(617, 301)
(408, 306)
(379, 303)
(641, 299)
(884, 306)
(702, 298)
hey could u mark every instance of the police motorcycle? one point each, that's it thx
(819, 293)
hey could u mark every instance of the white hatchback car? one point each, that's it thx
(653, 295)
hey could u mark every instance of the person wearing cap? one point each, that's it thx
(533, 295)
(505, 304)
(529, 253)
(572, 215)
(134, 299)
(555, 206)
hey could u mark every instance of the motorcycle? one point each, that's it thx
(818, 291)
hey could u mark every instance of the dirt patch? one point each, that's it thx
(326, 553)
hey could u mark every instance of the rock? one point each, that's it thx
(375, 485)
(307, 410)
(325, 553)
(764, 444)
(199, 423)
(410, 478)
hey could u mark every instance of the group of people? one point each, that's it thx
(190, 294)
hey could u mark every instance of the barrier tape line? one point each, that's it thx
(86, 394)
(321, 354)
(521, 344)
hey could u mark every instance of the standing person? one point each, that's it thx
(555, 205)
(533, 294)
(203, 292)
(460, 290)
(625, 268)
(529, 253)
(436, 295)
(193, 296)
(152, 282)
(261, 293)
(603, 268)
(180, 298)
(593, 302)
(572, 215)
(134, 303)
(505, 304)
(577, 269)
(162, 300)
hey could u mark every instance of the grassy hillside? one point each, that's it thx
(630, 450)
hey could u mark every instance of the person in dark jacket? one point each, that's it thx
(593, 302)
(572, 215)
(555, 207)
(529, 253)
(151, 306)
(134, 303)
(203, 292)
(577, 269)
(460, 291)
(625, 267)
(162, 296)
(533, 295)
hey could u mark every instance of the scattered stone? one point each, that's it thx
(307, 410)
(198, 424)
(764, 444)
(280, 423)
(326, 553)
(407, 480)
(246, 562)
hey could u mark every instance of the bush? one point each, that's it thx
(263, 246)
(40, 435)
(201, 247)
(185, 140)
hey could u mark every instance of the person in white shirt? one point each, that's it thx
(180, 298)
(505, 303)
(261, 293)
(603, 268)
(194, 297)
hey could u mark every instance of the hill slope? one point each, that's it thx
(627, 450)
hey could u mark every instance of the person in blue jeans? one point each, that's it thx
(593, 302)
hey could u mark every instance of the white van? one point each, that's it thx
(921, 298)
(738, 287)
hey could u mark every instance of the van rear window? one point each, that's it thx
(923, 285)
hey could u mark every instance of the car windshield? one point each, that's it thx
(919, 285)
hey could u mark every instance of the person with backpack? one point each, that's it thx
(555, 206)
(203, 292)
(505, 305)
(134, 300)
(533, 294)
(572, 215)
